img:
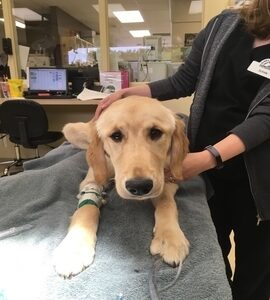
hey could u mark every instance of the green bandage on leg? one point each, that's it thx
(91, 194)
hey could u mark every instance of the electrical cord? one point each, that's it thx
(146, 55)
(153, 290)
(152, 284)
(147, 71)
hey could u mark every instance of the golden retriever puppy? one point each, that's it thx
(129, 130)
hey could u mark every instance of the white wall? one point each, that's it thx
(212, 8)
(179, 105)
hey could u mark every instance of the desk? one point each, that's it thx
(60, 102)
(67, 102)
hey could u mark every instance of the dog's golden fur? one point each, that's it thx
(133, 141)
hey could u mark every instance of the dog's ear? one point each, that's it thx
(179, 149)
(95, 156)
(78, 134)
(84, 136)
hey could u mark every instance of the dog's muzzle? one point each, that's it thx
(139, 186)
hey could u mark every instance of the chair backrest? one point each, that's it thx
(23, 120)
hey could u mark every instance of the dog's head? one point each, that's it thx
(140, 138)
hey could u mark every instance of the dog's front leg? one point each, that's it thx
(169, 241)
(77, 250)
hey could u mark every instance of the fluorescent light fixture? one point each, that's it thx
(130, 48)
(17, 23)
(26, 14)
(121, 49)
(129, 16)
(111, 9)
(139, 33)
(20, 24)
(195, 7)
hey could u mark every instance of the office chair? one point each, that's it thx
(26, 124)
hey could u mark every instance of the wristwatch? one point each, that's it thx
(215, 153)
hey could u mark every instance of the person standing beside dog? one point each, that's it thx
(228, 68)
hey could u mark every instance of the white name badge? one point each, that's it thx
(261, 68)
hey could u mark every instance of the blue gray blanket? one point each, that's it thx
(35, 207)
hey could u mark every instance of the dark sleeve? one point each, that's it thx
(184, 81)
(256, 128)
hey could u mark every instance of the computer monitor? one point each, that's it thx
(48, 79)
(73, 72)
(81, 77)
(91, 72)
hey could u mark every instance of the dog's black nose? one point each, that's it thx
(139, 186)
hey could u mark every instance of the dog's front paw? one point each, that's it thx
(171, 245)
(75, 253)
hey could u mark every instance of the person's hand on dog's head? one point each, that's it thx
(140, 90)
(107, 101)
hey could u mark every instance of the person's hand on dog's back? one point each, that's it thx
(140, 90)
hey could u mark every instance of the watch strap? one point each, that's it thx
(215, 153)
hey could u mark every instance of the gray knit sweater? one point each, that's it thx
(195, 75)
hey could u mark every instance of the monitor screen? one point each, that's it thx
(48, 79)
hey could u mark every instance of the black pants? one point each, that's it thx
(232, 208)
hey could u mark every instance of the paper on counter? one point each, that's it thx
(87, 94)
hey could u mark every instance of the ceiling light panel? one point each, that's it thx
(26, 14)
(20, 24)
(139, 33)
(129, 16)
(111, 9)
(17, 23)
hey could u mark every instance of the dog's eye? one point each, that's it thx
(155, 133)
(117, 136)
